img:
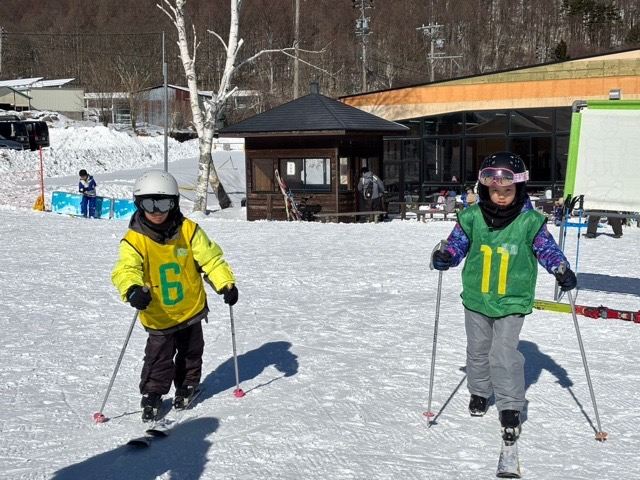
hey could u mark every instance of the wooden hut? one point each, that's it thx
(318, 145)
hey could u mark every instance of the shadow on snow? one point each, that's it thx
(183, 453)
(250, 365)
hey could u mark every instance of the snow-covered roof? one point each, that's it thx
(52, 83)
(20, 82)
(34, 82)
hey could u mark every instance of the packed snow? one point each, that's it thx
(334, 332)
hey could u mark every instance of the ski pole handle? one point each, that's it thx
(441, 246)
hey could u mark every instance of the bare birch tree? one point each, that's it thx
(207, 114)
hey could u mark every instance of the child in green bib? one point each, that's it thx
(503, 239)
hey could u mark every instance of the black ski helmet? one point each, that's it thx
(508, 161)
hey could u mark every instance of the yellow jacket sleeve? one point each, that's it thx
(208, 254)
(128, 269)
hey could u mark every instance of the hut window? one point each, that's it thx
(345, 174)
(312, 174)
(262, 175)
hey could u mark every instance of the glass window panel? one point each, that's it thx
(316, 171)
(306, 173)
(476, 150)
(442, 159)
(414, 128)
(443, 124)
(262, 175)
(411, 160)
(536, 153)
(392, 150)
(392, 180)
(563, 119)
(562, 154)
(291, 171)
(486, 122)
(532, 120)
(345, 174)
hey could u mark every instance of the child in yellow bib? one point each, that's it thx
(159, 271)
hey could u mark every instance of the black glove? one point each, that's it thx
(139, 297)
(566, 279)
(441, 260)
(230, 295)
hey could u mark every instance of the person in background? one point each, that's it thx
(592, 226)
(162, 259)
(468, 197)
(371, 190)
(450, 201)
(501, 237)
(87, 187)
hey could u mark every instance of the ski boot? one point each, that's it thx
(510, 421)
(150, 404)
(183, 396)
(478, 406)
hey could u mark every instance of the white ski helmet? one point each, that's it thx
(156, 182)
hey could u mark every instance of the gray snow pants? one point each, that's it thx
(494, 365)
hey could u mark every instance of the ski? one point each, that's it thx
(509, 461)
(591, 312)
(161, 427)
(290, 205)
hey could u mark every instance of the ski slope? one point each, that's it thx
(334, 332)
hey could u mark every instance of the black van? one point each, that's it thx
(38, 133)
(16, 131)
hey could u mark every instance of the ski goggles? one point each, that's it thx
(502, 177)
(154, 205)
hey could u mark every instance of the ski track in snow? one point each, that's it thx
(334, 330)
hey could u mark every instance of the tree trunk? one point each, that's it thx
(204, 164)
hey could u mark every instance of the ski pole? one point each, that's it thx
(238, 392)
(99, 417)
(600, 435)
(441, 246)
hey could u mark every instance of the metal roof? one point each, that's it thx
(313, 113)
(51, 83)
(19, 82)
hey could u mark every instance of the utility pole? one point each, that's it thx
(165, 109)
(296, 44)
(1, 35)
(363, 31)
(431, 33)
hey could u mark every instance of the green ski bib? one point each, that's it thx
(500, 272)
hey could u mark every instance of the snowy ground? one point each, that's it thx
(334, 332)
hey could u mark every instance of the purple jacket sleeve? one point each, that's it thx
(457, 245)
(547, 251)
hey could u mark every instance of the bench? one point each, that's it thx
(421, 215)
(333, 217)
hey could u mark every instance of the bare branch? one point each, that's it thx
(170, 7)
(284, 51)
(196, 44)
(219, 38)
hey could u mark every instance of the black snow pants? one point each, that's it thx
(160, 368)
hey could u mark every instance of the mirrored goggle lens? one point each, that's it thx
(496, 176)
(501, 177)
(152, 205)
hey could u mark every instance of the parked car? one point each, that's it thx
(11, 144)
(16, 131)
(38, 133)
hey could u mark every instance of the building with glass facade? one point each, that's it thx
(454, 125)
